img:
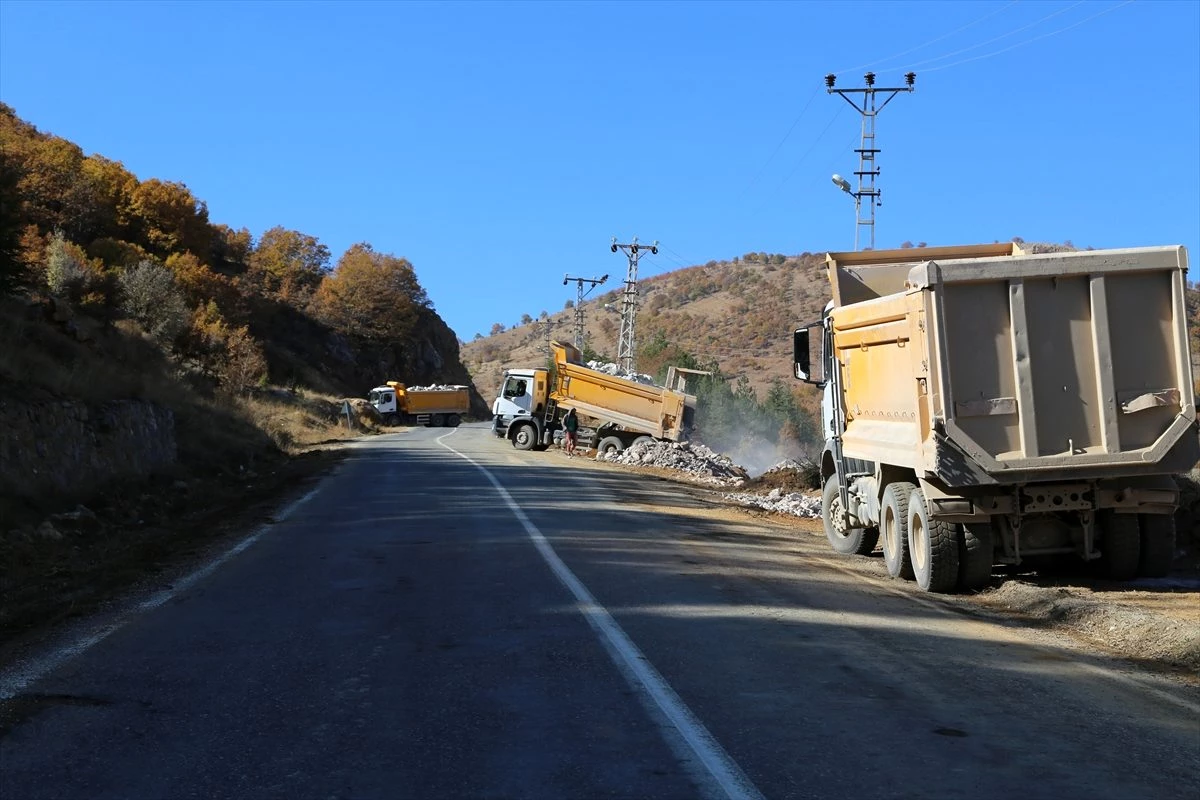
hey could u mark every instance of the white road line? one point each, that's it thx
(15, 679)
(720, 770)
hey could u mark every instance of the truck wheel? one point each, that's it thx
(932, 546)
(1120, 547)
(438, 420)
(609, 444)
(847, 541)
(390, 420)
(454, 420)
(642, 439)
(975, 552)
(1158, 545)
(525, 437)
(894, 528)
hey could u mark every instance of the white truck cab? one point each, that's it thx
(514, 400)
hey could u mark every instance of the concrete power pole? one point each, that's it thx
(867, 170)
(626, 344)
(579, 282)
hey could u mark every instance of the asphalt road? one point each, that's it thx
(447, 617)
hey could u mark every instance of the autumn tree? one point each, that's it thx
(170, 218)
(288, 263)
(371, 295)
(244, 365)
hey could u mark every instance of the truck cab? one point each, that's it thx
(383, 398)
(516, 397)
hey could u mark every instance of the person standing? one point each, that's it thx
(570, 429)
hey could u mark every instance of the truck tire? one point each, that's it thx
(1120, 545)
(390, 420)
(609, 444)
(893, 526)
(454, 420)
(641, 439)
(975, 552)
(438, 421)
(847, 541)
(932, 547)
(1158, 545)
(525, 437)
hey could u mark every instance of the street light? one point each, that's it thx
(844, 185)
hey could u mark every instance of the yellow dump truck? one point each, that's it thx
(532, 402)
(431, 406)
(984, 405)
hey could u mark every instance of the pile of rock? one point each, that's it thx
(794, 503)
(434, 388)
(696, 460)
(609, 368)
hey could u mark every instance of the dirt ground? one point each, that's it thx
(68, 564)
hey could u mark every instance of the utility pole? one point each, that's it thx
(625, 345)
(867, 170)
(579, 282)
(547, 327)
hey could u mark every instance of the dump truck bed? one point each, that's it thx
(634, 406)
(1010, 367)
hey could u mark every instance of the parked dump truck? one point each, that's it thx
(431, 406)
(983, 405)
(532, 402)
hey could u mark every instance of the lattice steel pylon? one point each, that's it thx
(626, 344)
(867, 170)
(579, 282)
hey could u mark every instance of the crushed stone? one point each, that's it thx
(609, 368)
(698, 461)
(794, 503)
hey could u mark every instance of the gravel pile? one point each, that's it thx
(694, 459)
(609, 368)
(435, 388)
(794, 503)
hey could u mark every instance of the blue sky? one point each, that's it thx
(498, 146)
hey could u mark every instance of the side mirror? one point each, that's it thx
(808, 354)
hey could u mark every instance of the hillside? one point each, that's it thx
(119, 296)
(739, 314)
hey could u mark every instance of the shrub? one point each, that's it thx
(151, 296)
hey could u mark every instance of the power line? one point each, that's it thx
(931, 41)
(775, 152)
(1031, 41)
(994, 38)
(820, 136)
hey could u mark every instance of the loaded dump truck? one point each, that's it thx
(532, 403)
(983, 405)
(431, 406)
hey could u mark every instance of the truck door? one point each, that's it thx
(515, 398)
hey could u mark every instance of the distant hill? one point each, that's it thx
(739, 314)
